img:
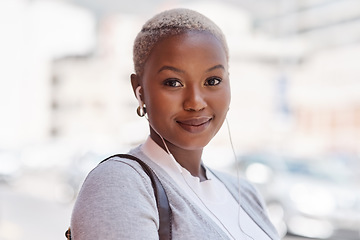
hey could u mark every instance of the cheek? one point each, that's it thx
(221, 110)
(160, 104)
(222, 102)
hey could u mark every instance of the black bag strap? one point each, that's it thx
(162, 202)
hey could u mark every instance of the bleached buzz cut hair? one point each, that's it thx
(169, 23)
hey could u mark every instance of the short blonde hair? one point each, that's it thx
(170, 23)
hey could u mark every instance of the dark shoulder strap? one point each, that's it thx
(162, 201)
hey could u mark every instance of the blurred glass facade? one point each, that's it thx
(66, 102)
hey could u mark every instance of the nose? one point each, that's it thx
(194, 100)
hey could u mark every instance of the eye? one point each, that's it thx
(212, 81)
(172, 82)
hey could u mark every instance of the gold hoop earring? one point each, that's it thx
(141, 111)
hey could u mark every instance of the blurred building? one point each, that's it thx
(293, 70)
(33, 33)
(316, 54)
(92, 97)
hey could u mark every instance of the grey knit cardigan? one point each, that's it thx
(117, 201)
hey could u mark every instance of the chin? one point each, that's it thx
(193, 145)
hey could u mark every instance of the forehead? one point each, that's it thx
(199, 48)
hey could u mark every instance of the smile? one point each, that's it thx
(195, 125)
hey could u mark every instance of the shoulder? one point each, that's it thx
(117, 174)
(116, 164)
(105, 205)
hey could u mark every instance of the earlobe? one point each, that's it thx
(141, 110)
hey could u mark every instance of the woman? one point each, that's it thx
(181, 81)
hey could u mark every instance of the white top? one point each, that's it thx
(210, 195)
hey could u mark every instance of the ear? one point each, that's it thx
(135, 83)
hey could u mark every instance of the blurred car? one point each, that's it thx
(315, 198)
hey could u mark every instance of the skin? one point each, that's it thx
(185, 87)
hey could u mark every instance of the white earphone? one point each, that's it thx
(138, 94)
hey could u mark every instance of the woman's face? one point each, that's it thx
(185, 86)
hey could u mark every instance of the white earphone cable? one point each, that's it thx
(238, 178)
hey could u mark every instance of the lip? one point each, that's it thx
(195, 125)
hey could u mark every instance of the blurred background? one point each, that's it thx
(66, 103)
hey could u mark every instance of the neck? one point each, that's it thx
(188, 159)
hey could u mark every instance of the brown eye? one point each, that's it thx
(172, 83)
(212, 81)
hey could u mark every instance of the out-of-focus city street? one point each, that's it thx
(29, 209)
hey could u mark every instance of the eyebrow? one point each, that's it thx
(181, 71)
(174, 69)
(216, 67)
